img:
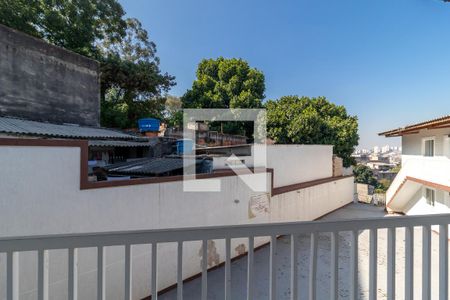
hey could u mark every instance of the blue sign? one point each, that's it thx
(148, 124)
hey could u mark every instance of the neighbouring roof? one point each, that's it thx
(241, 149)
(442, 122)
(111, 143)
(34, 128)
(149, 166)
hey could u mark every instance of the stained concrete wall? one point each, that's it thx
(42, 82)
(40, 195)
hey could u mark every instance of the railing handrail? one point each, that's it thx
(81, 240)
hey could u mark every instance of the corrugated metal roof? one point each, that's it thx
(109, 143)
(434, 123)
(149, 166)
(26, 127)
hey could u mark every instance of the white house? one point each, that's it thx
(423, 184)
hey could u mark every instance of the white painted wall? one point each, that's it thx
(431, 169)
(224, 162)
(419, 206)
(311, 203)
(299, 163)
(412, 143)
(39, 194)
(291, 163)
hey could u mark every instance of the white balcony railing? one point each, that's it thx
(73, 242)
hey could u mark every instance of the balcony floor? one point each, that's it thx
(191, 290)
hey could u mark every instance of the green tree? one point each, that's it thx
(226, 83)
(74, 25)
(118, 113)
(383, 185)
(98, 29)
(396, 169)
(303, 120)
(130, 66)
(173, 111)
(364, 174)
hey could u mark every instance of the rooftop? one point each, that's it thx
(442, 122)
(150, 166)
(17, 126)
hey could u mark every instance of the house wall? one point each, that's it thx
(412, 143)
(46, 83)
(291, 163)
(311, 203)
(434, 170)
(41, 195)
(299, 163)
(224, 162)
(418, 204)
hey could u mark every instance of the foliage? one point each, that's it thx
(383, 185)
(226, 83)
(173, 114)
(74, 25)
(303, 120)
(364, 174)
(113, 111)
(396, 169)
(131, 64)
(130, 67)
(131, 81)
(21, 15)
(119, 114)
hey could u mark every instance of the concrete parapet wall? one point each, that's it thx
(41, 195)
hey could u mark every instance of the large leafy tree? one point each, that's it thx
(74, 25)
(130, 68)
(173, 114)
(131, 80)
(303, 120)
(226, 83)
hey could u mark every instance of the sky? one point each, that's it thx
(386, 61)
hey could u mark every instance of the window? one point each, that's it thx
(446, 147)
(428, 147)
(430, 195)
